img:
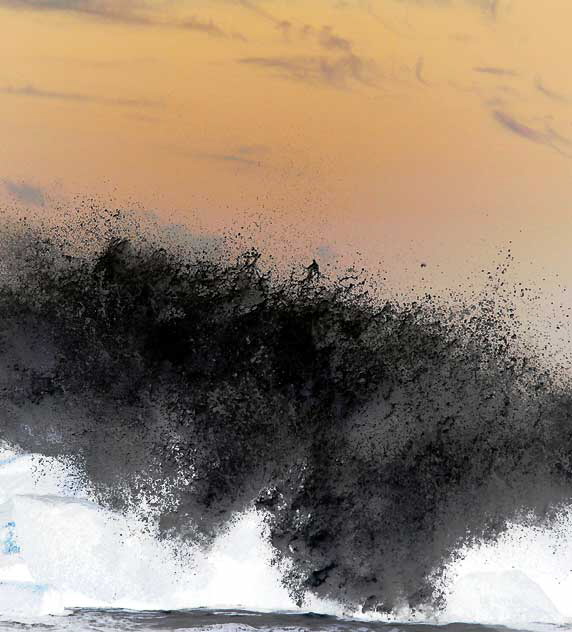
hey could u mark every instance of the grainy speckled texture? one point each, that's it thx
(377, 436)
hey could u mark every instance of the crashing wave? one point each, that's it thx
(375, 439)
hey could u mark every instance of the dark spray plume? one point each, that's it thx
(377, 437)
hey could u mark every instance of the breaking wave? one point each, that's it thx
(371, 443)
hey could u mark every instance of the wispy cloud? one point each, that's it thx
(206, 27)
(338, 72)
(325, 36)
(230, 158)
(255, 8)
(25, 192)
(558, 136)
(419, 71)
(551, 94)
(402, 29)
(246, 155)
(250, 150)
(489, 7)
(125, 11)
(515, 126)
(329, 40)
(135, 12)
(29, 90)
(496, 70)
(545, 136)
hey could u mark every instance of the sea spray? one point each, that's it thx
(377, 437)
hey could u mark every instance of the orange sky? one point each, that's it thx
(401, 131)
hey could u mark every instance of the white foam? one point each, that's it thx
(91, 557)
(506, 597)
(526, 560)
(77, 554)
(28, 599)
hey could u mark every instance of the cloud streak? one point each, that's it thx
(254, 8)
(340, 72)
(236, 158)
(29, 90)
(208, 28)
(135, 12)
(496, 70)
(551, 94)
(325, 36)
(125, 11)
(490, 8)
(331, 41)
(245, 155)
(547, 136)
(419, 68)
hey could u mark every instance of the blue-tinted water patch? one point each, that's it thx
(8, 542)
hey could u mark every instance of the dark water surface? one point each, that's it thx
(241, 620)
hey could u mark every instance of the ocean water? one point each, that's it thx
(81, 620)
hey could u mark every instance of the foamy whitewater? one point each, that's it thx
(59, 551)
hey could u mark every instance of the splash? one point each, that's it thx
(377, 437)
